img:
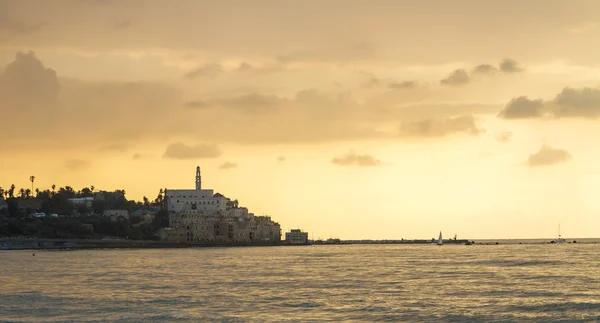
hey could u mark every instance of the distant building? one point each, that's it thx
(179, 200)
(124, 213)
(295, 236)
(86, 201)
(115, 215)
(200, 215)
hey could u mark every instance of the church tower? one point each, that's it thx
(198, 179)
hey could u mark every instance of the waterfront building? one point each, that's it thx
(200, 216)
(296, 236)
(179, 200)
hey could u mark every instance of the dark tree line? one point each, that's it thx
(82, 221)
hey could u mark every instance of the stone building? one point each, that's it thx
(200, 216)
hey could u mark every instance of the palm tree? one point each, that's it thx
(37, 192)
(22, 192)
(28, 193)
(32, 179)
(92, 188)
(11, 191)
(53, 188)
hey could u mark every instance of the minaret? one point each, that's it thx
(198, 179)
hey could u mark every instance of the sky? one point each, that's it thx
(350, 119)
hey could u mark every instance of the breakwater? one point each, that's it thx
(74, 244)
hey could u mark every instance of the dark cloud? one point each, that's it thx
(572, 102)
(228, 165)
(440, 127)
(457, 78)
(522, 108)
(351, 158)
(69, 113)
(136, 156)
(402, 85)
(76, 164)
(509, 65)
(55, 109)
(208, 70)
(547, 156)
(179, 150)
(281, 159)
(484, 69)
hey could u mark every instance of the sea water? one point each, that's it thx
(360, 283)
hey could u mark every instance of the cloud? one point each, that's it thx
(547, 156)
(12, 27)
(353, 159)
(504, 136)
(136, 156)
(569, 103)
(179, 150)
(76, 164)
(252, 102)
(572, 102)
(281, 159)
(522, 108)
(440, 127)
(208, 70)
(115, 147)
(457, 78)
(69, 113)
(228, 165)
(402, 85)
(197, 104)
(484, 69)
(122, 24)
(509, 65)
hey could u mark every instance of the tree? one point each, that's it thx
(22, 192)
(146, 202)
(28, 193)
(53, 188)
(32, 179)
(92, 188)
(37, 192)
(11, 191)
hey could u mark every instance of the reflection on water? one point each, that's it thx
(309, 283)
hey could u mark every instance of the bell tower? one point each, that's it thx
(198, 179)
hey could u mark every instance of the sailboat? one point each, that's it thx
(559, 239)
(440, 242)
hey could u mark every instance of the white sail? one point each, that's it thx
(440, 241)
(559, 239)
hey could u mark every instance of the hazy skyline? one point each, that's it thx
(350, 119)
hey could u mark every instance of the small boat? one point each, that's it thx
(440, 241)
(559, 239)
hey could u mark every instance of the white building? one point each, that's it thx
(87, 201)
(295, 236)
(197, 199)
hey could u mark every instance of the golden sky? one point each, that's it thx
(350, 119)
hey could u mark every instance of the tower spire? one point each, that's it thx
(198, 178)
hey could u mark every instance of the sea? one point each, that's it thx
(319, 283)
